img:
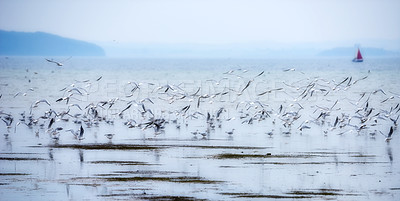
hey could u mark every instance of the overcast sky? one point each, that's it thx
(207, 21)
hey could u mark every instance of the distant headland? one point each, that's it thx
(44, 44)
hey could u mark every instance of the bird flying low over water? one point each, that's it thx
(41, 101)
(247, 85)
(269, 91)
(78, 134)
(239, 97)
(81, 131)
(109, 135)
(289, 69)
(57, 62)
(230, 132)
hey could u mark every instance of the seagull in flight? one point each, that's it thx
(109, 135)
(57, 62)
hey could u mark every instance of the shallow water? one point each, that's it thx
(322, 162)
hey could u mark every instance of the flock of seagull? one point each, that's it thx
(372, 112)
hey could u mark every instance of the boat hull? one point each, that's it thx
(358, 60)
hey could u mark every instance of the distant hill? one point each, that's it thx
(351, 51)
(44, 44)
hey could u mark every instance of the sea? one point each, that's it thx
(199, 129)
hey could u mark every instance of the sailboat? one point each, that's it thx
(358, 57)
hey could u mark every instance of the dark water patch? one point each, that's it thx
(193, 157)
(85, 184)
(241, 156)
(395, 189)
(21, 159)
(20, 153)
(4, 184)
(142, 147)
(220, 147)
(312, 163)
(380, 192)
(252, 195)
(358, 162)
(121, 162)
(163, 179)
(330, 189)
(107, 146)
(177, 140)
(171, 198)
(230, 166)
(363, 156)
(322, 193)
(108, 175)
(120, 195)
(331, 153)
(14, 174)
(288, 163)
(152, 172)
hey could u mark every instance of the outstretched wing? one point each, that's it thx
(390, 132)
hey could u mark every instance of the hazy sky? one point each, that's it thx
(207, 21)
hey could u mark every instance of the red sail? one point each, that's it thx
(359, 55)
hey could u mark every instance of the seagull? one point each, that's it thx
(217, 82)
(289, 69)
(395, 121)
(195, 132)
(229, 72)
(56, 62)
(109, 135)
(303, 127)
(203, 96)
(379, 90)
(269, 91)
(75, 133)
(204, 134)
(78, 134)
(146, 99)
(230, 132)
(120, 114)
(8, 120)
(77, 90)
(270, 133)
(76, 105)
(23, 93)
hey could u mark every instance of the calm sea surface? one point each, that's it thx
(312, 129)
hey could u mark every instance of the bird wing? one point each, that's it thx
(81, 131)
(390, 132)
(51, 123)
(248, 84)
(42, 101)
